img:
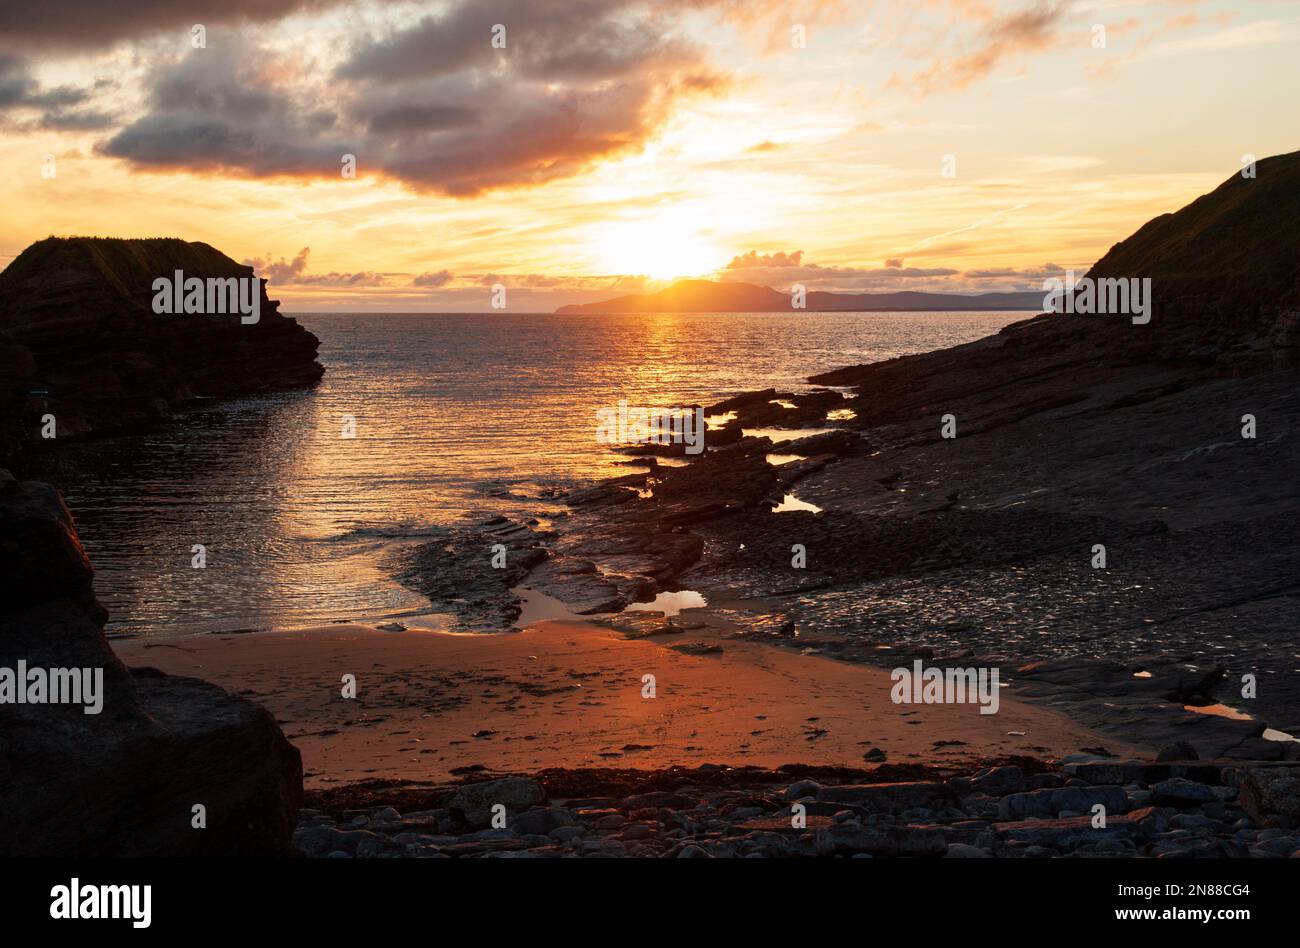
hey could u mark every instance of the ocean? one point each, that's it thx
(452, 416)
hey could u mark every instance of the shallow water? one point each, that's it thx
(455, 416)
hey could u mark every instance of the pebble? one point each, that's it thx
(998, 812)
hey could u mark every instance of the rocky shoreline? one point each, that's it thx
(1019, 808)
(1069, 435)
(1099, 515)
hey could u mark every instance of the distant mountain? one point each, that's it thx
(705, 296)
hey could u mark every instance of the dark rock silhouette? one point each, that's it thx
(122, 782)
(1226, 268)
(79, 339)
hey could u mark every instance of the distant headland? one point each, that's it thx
(706, 296)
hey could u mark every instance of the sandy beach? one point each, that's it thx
(429, 705)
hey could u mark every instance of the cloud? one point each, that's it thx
(1022, 275)
(755, 259)
(782, 269)
(215, 113)
(441, 278)
(542, 282)
(549, 40)
(1157, 45)
(21, 92)
(96, 24)
(87, 120)
(432, 104)
(1012, 36)
(294, 273)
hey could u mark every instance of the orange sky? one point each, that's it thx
(611, 145)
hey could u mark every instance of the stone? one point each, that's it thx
(121, 783)
(890, 797)
(1271, 796)
(638, 831)
(800, 789)
(693, 852)
(541, 821)
(847, 839)
(998, 781)
(1179, 791)
(473, 802)
(1052, 802)
(657, 799)
(1179, 750)
(964, 851)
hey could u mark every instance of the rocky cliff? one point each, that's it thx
(124, 781)
(1226, 268)
(79, 339)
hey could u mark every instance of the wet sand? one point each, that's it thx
(562, 694)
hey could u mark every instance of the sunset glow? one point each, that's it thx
(636, 141)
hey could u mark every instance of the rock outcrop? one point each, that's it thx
(124, 781)
(79, 339)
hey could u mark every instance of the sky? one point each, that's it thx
(577, 150)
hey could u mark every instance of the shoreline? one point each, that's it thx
(563, 585)
(429, 704)
(743, 751)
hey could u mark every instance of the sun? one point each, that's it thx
(666, 247)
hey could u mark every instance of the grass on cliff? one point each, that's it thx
(130, 265)
(1242, 240)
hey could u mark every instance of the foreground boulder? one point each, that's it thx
(1271, 796)
(124, 781)
(79, 338)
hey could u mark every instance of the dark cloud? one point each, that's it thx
(85, 121)
(95, 24)
(220, 113)
(19, 90)
(550, 40)
(18, 87)
(429, 118)
(433, 105)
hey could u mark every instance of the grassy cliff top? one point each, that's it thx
(1242, 240)
(129, 265)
